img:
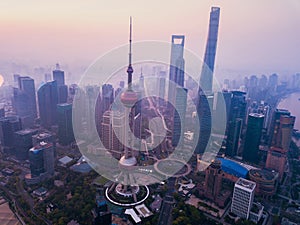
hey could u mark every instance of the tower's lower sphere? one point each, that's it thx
(129, 98)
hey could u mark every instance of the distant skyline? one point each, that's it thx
(255, 37)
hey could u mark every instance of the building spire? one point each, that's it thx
(130, 69)
(130, 40)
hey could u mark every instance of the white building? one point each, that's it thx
(243, 195)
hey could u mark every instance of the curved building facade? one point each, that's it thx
(266, 181)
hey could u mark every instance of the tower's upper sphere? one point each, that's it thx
(129, 98)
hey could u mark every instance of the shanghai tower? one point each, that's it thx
(205, 98)
(210, 52)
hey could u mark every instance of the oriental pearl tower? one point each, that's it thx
(126, 193)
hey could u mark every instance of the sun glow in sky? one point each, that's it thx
(255, 36)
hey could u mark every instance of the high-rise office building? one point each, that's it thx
(176, 74)
(253, 136)
(44, 137)
(64, 121)
(213, 182)
(237, 106)
(205, 103)
(62, 93)
(2, 110)
(252, 88)
(8, 126)
(23, 142)
(162, 84)
(206, 78)
(20, 102)
(243, 196)
(62, 88)
(281, 139)
(275, 125)
(179, 116)
(107, 97)
(24, 101)
(41, 158)
(106, 129)
(48, 100)
(273, 82)
(236, 120)
(282, 135)
(113, 129)
(233, 137)
(59, 75)
(205, 98)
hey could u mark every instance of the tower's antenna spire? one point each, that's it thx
(130, 40)
(130, 69)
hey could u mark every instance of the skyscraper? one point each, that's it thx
(205, 98)
(277, 154)
(162, 84)
(275, 123)
(253, 136)
(23, 142)
(64, 120)
(236, 119)
(233, 137)
(41, 158)
(59, 76)
(107, 97)
(8, 126)
(24, 101)
(48, 100)
(176, 74)
(206, 78)
(112, 135)
(243, 196)
(179, 116)
(213, 181)
(204, 107)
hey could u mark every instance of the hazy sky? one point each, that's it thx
(255, 36)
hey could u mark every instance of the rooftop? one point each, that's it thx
(246, 184)
(41, 145)
(65, 160)
(143, 210)
(25, 131)
(233, 168)
(263, 174)
(257, 115)
(133, 215)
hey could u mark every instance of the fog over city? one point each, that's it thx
(150, 112)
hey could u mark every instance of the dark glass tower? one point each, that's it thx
(41, 158)
(23, 142)
(24, 101)
(48, 99)
(176, 75)
(236, 119)
(253, 136)
(64, 120)
(59, 76)
(179, 116)
(8, 126)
